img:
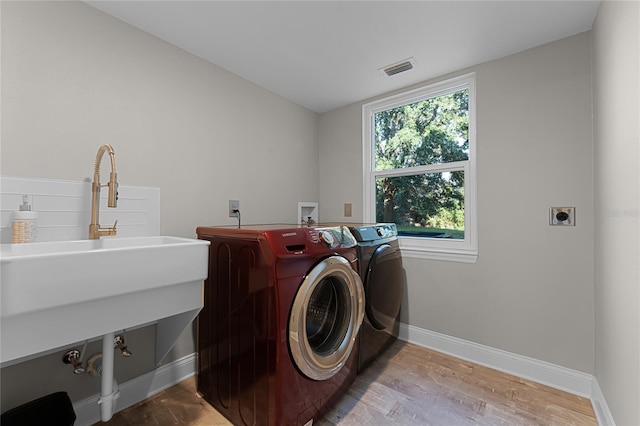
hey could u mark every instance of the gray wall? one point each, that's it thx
(531, 291)
(616, 48)
(74, 78)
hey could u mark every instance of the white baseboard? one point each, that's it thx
(138, 389)
(566, 379)
(603, 414)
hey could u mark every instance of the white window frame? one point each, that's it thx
(465, 250)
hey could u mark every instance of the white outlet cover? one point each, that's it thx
(234, 205)
(562, 216)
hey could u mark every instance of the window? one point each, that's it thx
(419, 168)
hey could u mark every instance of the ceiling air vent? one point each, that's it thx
(399, 67)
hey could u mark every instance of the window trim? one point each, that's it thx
(415, 247)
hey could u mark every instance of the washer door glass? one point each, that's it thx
(325, 318)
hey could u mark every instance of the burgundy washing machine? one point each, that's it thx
(382, 277)
(278, 334)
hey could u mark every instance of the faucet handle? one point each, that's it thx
(74, 357)
(118, 342)
(113, 230)
(109, 231)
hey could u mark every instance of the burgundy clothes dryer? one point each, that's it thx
(278, 334)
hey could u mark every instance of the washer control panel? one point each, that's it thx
(337, 236)
(380, 231)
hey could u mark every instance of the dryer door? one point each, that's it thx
(325, 318)
(383, 288)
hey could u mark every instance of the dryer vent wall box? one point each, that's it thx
(562, 216)
(307, 212)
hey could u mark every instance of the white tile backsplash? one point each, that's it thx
(64, 208)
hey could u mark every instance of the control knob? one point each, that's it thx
(382, 232)
(327, 238)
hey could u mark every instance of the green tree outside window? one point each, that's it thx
(428, 132)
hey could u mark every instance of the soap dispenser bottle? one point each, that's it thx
(24, 223)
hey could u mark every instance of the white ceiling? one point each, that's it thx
(326, 54)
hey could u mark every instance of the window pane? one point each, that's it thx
(432, 131)
(424, 205)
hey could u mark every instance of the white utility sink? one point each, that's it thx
(58, 293)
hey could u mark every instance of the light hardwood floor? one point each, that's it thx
(407, 385)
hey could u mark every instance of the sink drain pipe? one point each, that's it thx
(109, 390)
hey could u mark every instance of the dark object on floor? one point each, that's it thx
(51, 410)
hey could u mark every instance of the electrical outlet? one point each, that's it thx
(347, 209)
(562, 216)
(233, 206)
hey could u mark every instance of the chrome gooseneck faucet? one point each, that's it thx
(95, 230)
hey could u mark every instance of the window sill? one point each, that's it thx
(412, 250)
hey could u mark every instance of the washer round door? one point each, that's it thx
(325, 318)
